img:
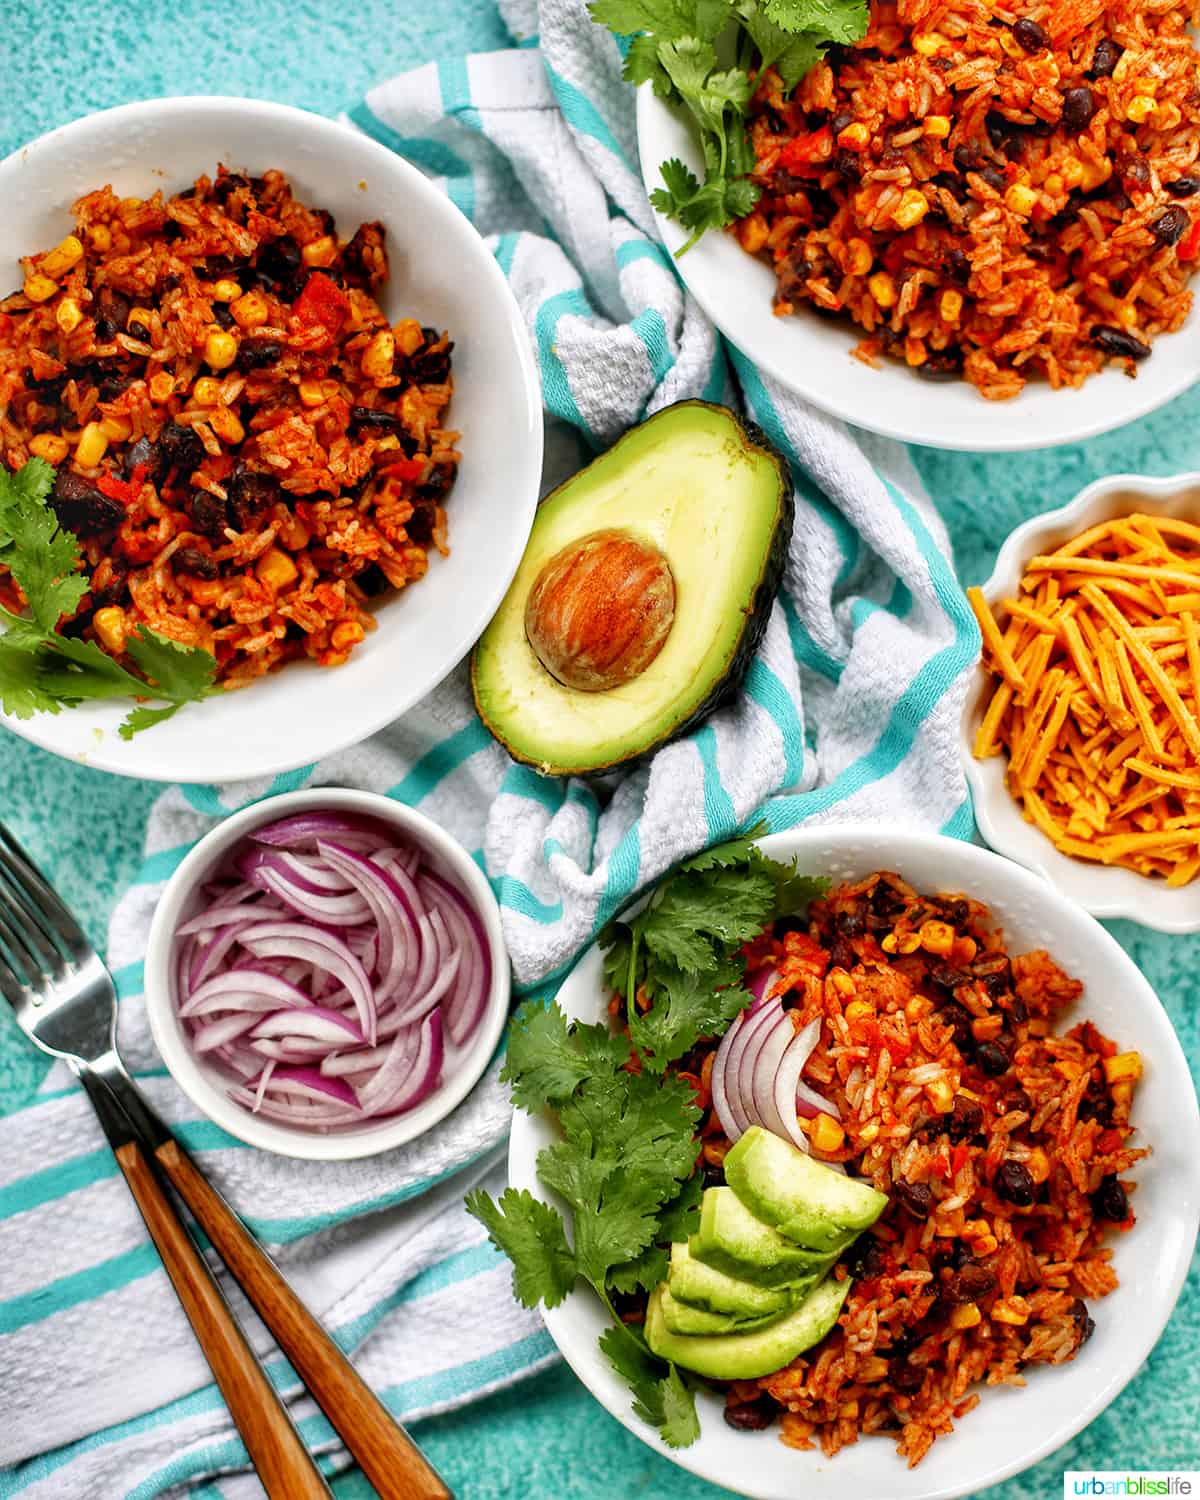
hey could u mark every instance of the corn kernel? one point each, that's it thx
(1038, 1165)
(1053, 184)
(310, 393)
(66, 254)
(752, 232)
(220, 349)
(276, 569)
(913, 208)
(1127, 315)
(1140, 108)
(39, 288)
(1094, 174)
(1125, 1067)
(986, 1244)
(941, 1095)
(250, 310)
(161, 387)
(226, 290)
(1014, 1312)
(965, 1315)
(859, 1010)
(319, 252)
(868, 1133)
(909, 943)
(1071, 171)
(987, 1028)
(937, 937)
(101, 237)
(226, 425)
(883, 289)
(917, 1007)
(206, 391)
(409, 337)
(826, 1133)
(858, 258)
(204, 590)
(855, 137)
(68, 315)
(379, 355)
(111, 627)
(1122, 1094)
(1166, 116)
(937, 126)
(928, 43)
(848, 1410)
(1021, 199)
(951, 306)
(93, 444)
(116, 429)
(50, 446)
(889, 943)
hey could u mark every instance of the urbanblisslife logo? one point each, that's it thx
(1097, 1482)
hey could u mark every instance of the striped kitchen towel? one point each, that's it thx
(850, 710)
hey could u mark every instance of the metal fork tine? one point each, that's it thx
(26, 926)
(39, 898)
(18, 950)
(10, 986)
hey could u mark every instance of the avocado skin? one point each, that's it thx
(757, 616)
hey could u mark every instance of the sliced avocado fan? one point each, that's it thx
(642, 596)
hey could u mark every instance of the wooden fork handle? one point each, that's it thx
(276, 1448)
(388, 1457)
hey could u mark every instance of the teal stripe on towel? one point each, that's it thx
(427, 774)
(582, 115)
(718, 808)
(556, 388)
(652, 331)
(770, 694)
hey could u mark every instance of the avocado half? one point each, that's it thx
(695, 484)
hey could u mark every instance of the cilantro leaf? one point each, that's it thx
(682, 1217)
(831, 20)
(547, 1058)
(643, 65)
(180, 673)
(686, 1007)
(42, 558)
(143, 717)
(643, 1273)
(661, 1399)
(531, 1234)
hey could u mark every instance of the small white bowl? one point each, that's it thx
(1104, 890)
(812, 355)
(441, 273)
(1011, 1428)
(205, 1087)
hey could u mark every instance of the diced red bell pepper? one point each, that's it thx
(800, 155)
(322, 302)
(124, 490)
(958, 1160)
(1189, 249)
(409, 470)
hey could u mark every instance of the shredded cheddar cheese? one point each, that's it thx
(1097, 702)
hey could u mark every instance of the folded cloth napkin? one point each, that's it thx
(850, 711)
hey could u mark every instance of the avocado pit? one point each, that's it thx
(600, 610)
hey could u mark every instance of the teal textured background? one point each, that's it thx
(546, 1437)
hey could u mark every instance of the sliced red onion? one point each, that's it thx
(787, 1080)
(330, 971)
(737, 1119)
(810, 1104)
(756, 1072)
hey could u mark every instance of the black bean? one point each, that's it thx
(115, 590)
(434, 368)
(864, 1257)
(994, 178)
(364, 257)
(192, 560)
(847, 164)
(373, 582)
(851, 923)
(958, 1018)
(949, 1255)
(713, 1173)
(222, 317)
(886, 900)
(114, 308)
(1120, 342)
(1135, 174)
(81, 507)
(905, 1377)
(968, 158)
(941, 365)
(142, 454)
(1169, 228)
(784, 925)
(974, 1281)
(179, 448)
(1105, 59)
(958, 265)
(1014, 1100)
(1110, 1201)
(1118, 200)
(752, 1416)
(1014, 1184)
(437, 486)
(993, 1059)
(916, 1197)
(250, 492)
(257, 354)
(1082, 1319)
(1079, 105)
(209, 514)
(1184, 187)
(1018, 1011)
(947, 977)
(840, 121)
(1030, 35)
(1005, 134)
(964, 1120)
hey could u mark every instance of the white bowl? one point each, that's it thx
(811, 355)
(1104, 890)
(443, 274)
(205, 1087)
(1011, 1428)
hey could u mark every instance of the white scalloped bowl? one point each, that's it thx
(1105, 891)
(442, 273)
(1011, 1428)
(813, 356)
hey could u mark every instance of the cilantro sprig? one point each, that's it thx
(707, 56)
(42, 671)
(625, 1161)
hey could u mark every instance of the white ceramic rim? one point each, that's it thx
(329, 733)
(173, 908)
(816, 1477)
(1000, 427)
(1105, 891)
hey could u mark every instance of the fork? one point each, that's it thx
(64, 1000)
